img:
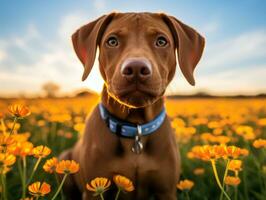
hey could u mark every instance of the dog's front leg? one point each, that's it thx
(166, 196)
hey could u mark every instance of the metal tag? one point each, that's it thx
(138, 146)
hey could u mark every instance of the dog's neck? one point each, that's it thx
(133, 115)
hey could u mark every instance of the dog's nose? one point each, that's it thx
(136, 68)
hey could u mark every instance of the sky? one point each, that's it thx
(35, 43)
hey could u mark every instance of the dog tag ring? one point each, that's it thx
(138, 146)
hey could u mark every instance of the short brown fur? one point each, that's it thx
(101, 153)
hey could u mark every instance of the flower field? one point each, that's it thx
(222, 144)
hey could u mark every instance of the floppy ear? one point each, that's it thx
(86, 39)
(189, 44)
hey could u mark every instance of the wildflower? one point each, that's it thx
(67, 167)
(1, 115)
(244, 152)
(50, 165)
(19, 111)
(232, 180)
(233, 152)
(98, 185)
(246, 132)
(235, 165)
(39, 189)
(7, 159)
(123, 183)
(259, 143)
(199, 171)
(262, 122)
(41, 151)
(6, 141)
(185, 185)
(22, 149)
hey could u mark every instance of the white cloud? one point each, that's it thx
(219, 71)
(229, 66)
(233, 51)
(99, 4)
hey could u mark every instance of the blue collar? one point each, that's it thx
(126, 129)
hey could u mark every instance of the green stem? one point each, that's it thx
(101, 195)
(225, 174)
(24, 177)
(60, 187)
(14, 124)
(57, 182)
(218, 180)
(20, 172)
(34, 169)
(187, 196)
(37, 197)
(235, 195)
(3, 180)
(117, 194)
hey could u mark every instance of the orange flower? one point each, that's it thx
(37, 189)
(22, 149)
(19, 110)
(232, 180)
(235, 165)
(67, 167)
(50, 165)
(1, 115)
(199, 171)
(41, 151)
(98, 185)
(259, 143)
(233, 152)
(185, 185)
(123, 183)
(7, 159)
(6, 141)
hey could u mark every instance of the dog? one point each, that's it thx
(128, 133)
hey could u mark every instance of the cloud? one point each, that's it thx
(234, 65)
(234, 52)
(27, 60)
(99, 5)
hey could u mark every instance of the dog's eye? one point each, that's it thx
(112, 41)
(161, 41)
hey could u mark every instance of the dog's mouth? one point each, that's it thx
(136, 95)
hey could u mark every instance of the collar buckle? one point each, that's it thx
(138, 146)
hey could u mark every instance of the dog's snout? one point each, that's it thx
(136, 68)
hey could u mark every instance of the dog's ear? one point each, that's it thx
(189, 44)
(86, 39)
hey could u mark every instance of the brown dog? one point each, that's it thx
(137, 61)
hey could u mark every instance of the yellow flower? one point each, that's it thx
(185, 185)
(262, 122)
(39, 189)
(123, 183)
(233, 152)
(50, 165)
(41, 151)
(199, 171)
(235, 165)
(6, 141)
(98, 185)
(19, 110)
(232, 180)
(7, 159)
(67, 167)
(22, 149)
(259, 143)
(1, 115)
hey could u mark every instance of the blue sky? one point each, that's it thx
(35, 44)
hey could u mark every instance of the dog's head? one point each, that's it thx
(138, 53)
